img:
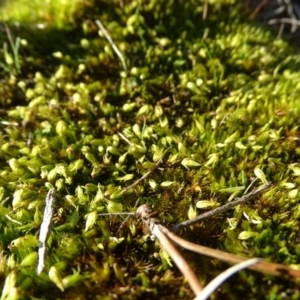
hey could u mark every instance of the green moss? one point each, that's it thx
(53, 12)
(221, 92)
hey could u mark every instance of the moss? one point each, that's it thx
(220, 91)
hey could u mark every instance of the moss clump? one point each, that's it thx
(220, 91)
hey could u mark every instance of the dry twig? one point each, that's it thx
(45, 229)
(149, 217)
(108, 37)
(167, 238)
(146, 174)
(222, 208)
(262, 266)
(216, 282)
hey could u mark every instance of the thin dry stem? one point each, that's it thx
(178, 260)
(115, 48)
(146, 174)
(258, 8)
(293, 22)
(124, 138)
(222, 208)
(205, 10)
(123, 223)
(216, 282)
(9, 36)
(149, 217)
(262, 266)
(7, 123)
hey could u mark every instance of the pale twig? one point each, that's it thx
(12, 220)
(128, 214)
(293, 22)
(124, 138)
(108, 37)
(10, 212)
(178, 259)
(166, 237)
(146, 174)
(7, 123)
(290, 12)
(216, 282)
(250, 185)
(45, 229)
(9, 36)
(222, 208)
(124, 222)
(149, 217)
(29, 139)
(262, 266)
(205, 10)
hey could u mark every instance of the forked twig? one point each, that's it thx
(149, 217)
(262, 266)
(166, 238)
(287, 8)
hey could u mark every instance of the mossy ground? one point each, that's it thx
(222, 92)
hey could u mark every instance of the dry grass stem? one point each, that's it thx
(216, 282)
(222, 208)
(115, 48)
(146, 174)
